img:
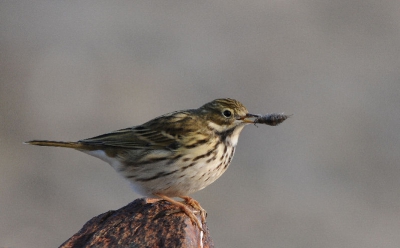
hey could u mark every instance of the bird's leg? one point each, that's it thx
(196, 205)
(184, 209)
(151, 200)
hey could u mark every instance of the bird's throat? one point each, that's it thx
(231, 136)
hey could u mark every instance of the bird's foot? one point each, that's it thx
(186, 209)
(196, 205)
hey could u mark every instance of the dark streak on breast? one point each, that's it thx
(204, 155)
(198, 143)
(158, 175)
(187, 166)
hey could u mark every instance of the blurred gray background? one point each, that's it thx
(327, 177)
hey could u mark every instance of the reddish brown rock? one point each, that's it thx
(141, 224)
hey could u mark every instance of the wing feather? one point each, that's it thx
(131, 139)
(165, 132)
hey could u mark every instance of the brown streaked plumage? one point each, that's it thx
(173, 155)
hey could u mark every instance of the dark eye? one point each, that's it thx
(227, 113)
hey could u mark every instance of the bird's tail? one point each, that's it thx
(75, 145)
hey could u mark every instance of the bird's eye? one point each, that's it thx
(227, 113)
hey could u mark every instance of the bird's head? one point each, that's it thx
(225, 114)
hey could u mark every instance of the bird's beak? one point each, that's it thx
(248, 118)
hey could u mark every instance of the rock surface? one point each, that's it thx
(141, 223)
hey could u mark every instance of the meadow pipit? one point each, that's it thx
(175, 154)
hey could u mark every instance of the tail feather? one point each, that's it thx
(74, 145)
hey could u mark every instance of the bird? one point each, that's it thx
(173, 155)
